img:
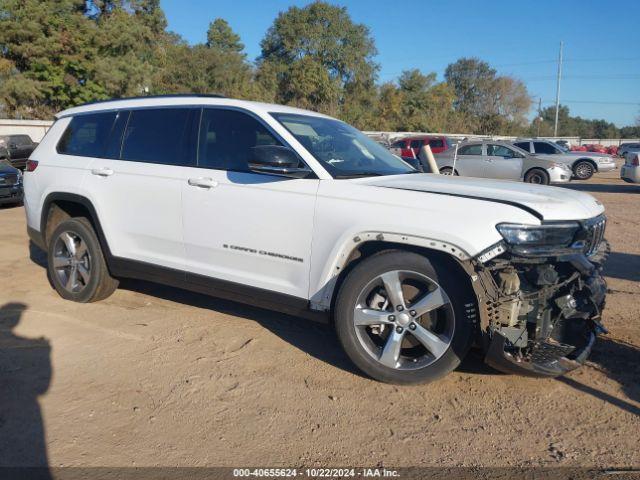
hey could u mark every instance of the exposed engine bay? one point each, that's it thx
(540, 315)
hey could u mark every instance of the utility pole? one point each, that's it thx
(539, 114)
(555, 126)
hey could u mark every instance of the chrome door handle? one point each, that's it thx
(102, 172)
(203, 182)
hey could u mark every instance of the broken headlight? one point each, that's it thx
(549, 239)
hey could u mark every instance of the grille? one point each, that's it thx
(10, 179)
(595, 234)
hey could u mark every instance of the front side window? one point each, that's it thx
(399, 144)
(494, 150)
(343, 151)
(416, 143)
(160, 135)
(471, 150)
(227, 137)
(546, 148)
(87, 135)
(436, 143)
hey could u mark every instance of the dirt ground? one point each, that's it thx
(155, 376)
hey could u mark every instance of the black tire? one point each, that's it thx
(99, 284)
(537, 176)
(583, 169)
(447, 171)
(462, 303)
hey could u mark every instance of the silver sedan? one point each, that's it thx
(496, 159)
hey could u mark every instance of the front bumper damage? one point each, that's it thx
(540, 317)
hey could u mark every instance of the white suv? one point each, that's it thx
(295, 211)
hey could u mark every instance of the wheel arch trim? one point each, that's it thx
(334, 267)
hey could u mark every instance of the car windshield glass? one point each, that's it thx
(341, 149)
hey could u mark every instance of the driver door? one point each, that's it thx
(503, 162)
(242, 227)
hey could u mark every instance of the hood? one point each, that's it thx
(547, 203)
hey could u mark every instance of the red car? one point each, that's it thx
(410, 146)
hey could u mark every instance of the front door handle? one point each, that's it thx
(102, 172)
(203, 182)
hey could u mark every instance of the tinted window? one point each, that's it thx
(227, 137)
(399, 144)
(416, 143)
(114, 143)
(436, 143)
(523, 145)
(471, 150)
(21, 140)
(86, 135)
(543, 147)
(499, 151)
(160, 135)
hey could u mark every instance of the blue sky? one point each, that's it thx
(519, 38)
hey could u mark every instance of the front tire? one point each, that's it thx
(403, 318)
(537, 176)
(76, 264)
(583, 170)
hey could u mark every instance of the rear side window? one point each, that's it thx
(416, 143)
(86, 135)
(471, 150)
(436, 143)
(523, 145)
(21, 140)
(160, 135)
(543, 147)
(226, 139)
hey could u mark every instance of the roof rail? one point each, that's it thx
(168, 95)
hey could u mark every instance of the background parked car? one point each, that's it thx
(495, 159)
(583, 164)
(16, 149)
(630, 171)
(626, 148)
(10, 184)
(405, 146)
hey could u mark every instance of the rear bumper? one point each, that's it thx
(630, 174)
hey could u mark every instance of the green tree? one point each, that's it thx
(337, 52)
(221, 37)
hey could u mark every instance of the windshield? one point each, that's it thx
(341, 149)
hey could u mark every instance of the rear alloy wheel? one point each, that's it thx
(404, 319)
(76, 265)
(537, 176)
(583, 170)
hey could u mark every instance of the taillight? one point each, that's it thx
(636, 161)
(31, 165)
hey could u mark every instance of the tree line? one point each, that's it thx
(59, 53)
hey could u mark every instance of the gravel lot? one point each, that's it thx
(162, 377)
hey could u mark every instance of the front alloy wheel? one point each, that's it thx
(404, 318)
(584, 170)
(72, 262)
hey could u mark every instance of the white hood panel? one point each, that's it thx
(551, 203)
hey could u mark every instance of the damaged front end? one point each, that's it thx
(541, 294)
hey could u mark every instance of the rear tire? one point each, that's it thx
(76, 264)
(583, 170)
(537, 176)
(419, 341)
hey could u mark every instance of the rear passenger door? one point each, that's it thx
(136, 186)
(469, 162)
(243, 227)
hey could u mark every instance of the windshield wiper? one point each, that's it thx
(360, 174)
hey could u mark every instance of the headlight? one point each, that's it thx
(538, 239)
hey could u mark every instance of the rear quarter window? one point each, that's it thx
(86, 135)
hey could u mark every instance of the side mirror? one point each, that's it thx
(277, 160)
